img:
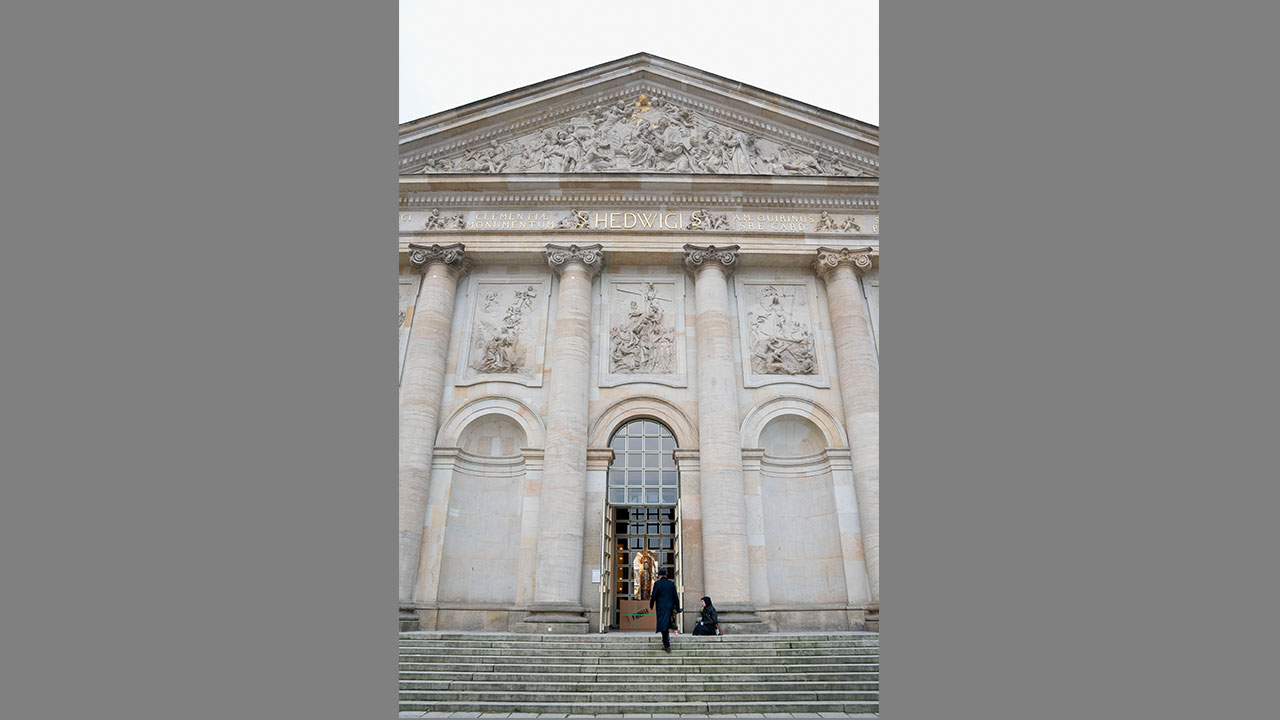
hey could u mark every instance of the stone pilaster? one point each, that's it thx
(858, 369)
(690, 535)
(724, 521)
(557, 583)
(421, 390)
(598, 461)
(757, 557)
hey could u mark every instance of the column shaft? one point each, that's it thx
(724, 517)
(860, 392)
(557, 582)
(421, 389)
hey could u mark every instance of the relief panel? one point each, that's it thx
(504, 336)
(781, 342)
(644, 337)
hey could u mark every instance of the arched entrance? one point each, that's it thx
(641, 524)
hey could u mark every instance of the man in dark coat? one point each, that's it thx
(664, 600)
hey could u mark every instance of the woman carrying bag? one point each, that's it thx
(710, 622)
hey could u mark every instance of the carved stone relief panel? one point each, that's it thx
(642, 135)
(781, 340)
(506, 331)
(644, 339)
(408, 297)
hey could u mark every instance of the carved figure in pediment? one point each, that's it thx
(780, 345)
(740, 151)
(800, 163)
(644, 342)
(640, 148)
(500, 349)
(647, 135)
(677, 147)
(850, 225)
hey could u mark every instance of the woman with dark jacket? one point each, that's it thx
(710, 622)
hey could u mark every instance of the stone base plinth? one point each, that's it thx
(554, 619)
(740, 619)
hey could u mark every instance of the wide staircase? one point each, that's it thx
(623, 673)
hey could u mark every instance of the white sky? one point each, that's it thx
(823, 52)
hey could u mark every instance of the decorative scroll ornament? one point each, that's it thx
(422, 256)
(831, 258)
(559, 256)
(644, 136)
(703, 220)
(695, 256)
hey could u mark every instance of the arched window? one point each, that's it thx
(644, 466)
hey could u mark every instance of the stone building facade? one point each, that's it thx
(638, 330)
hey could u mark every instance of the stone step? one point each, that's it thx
(656, 708)
(654, 650)
(622, 687)
(640, 670)
(675, 657)
(640, 693)
(628, 637)
(801, 673)
(574, 677)
(605, 641)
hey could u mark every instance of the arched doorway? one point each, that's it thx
(641, 524)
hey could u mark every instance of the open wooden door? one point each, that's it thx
(606, 567)
(679, 558)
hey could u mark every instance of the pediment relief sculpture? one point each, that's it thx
(647, 135)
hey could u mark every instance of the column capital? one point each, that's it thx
(701, 256)
(831, 258)
(422, 257)
(589, 256)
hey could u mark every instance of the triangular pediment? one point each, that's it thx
(640, 114)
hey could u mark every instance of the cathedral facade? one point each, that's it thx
(639, 331)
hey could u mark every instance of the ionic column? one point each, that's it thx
(859, 389)
(724, 518)
(557, 582)
(421, 389)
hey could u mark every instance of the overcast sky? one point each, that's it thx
(823, 52)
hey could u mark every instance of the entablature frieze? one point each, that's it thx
(531, 250)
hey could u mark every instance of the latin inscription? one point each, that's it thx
(655, 220)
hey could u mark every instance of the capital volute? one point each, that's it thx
(589, 256)
(703, 256)
(831, 258)
(453, 256)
